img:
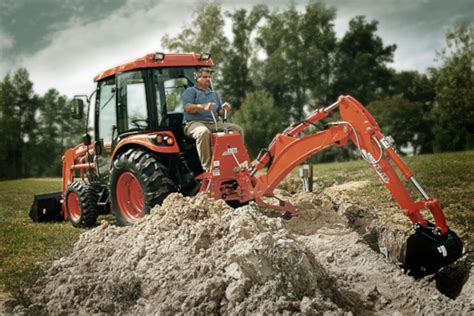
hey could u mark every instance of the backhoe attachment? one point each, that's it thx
(234, 179)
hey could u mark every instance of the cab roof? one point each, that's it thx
(151, 61)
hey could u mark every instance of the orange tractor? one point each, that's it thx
(140, 155)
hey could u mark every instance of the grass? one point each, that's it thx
(26, 247)
(448, 177)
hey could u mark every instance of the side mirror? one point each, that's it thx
(87, 139)
(77, 109)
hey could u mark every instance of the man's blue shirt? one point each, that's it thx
(194, 95)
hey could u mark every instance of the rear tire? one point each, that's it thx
(81, 204)
(137, 183)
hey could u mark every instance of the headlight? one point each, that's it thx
(205, 56)
(158, 56)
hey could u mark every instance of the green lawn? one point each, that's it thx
(27, 247)
(448, 177)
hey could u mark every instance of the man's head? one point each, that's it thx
(203, 77)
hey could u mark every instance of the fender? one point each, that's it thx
(150, 141)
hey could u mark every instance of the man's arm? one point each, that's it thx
(194, 108)
(189, 96)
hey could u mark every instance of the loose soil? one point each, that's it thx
(198, 256)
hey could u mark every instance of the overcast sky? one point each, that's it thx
(65, 43)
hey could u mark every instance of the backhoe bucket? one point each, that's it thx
(426, 253)
(47, 208)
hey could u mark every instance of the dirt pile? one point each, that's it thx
(195, 256)
(201, 257)
(362, 252)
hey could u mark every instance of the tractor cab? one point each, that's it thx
(146, 100)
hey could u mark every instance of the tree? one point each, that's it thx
(204, 34)
(27, 104)
(18, 107)
(403, 120)
(260, 120)
(415, 87)
(58, 131)
(236, 80)
(361, 63)
(71, 129)
(34, 130)
(454, 110)
(8, 126)
(419, 89)
(49, 151)
(299, 49)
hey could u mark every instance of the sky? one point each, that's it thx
(65, 43)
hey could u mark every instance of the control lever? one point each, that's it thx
(214, 117)
(226, 130)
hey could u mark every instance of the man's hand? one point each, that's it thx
(226, 106)
(209, 106)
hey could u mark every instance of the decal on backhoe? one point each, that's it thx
(442, 250)
(215, 169)
(230, 151)
(377, 168)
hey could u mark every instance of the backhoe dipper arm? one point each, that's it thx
(357, 125)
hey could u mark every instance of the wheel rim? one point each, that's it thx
(73, 206)
(130, 196)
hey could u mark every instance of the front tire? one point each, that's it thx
(137, 183)
(81, 204)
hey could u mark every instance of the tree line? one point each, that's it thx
(278, 65)
(275, 68)
(35, 130)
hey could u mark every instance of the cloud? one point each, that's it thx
(69, 52)
(417, 27)
(82, 50)
(6, 41)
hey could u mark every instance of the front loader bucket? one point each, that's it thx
(47, 208)
(426, 253)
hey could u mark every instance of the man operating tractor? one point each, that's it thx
(201, 106)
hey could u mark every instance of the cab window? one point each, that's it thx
(132, 107)
(174, 89)
(107, 120)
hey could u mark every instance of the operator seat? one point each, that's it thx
(186, 144)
